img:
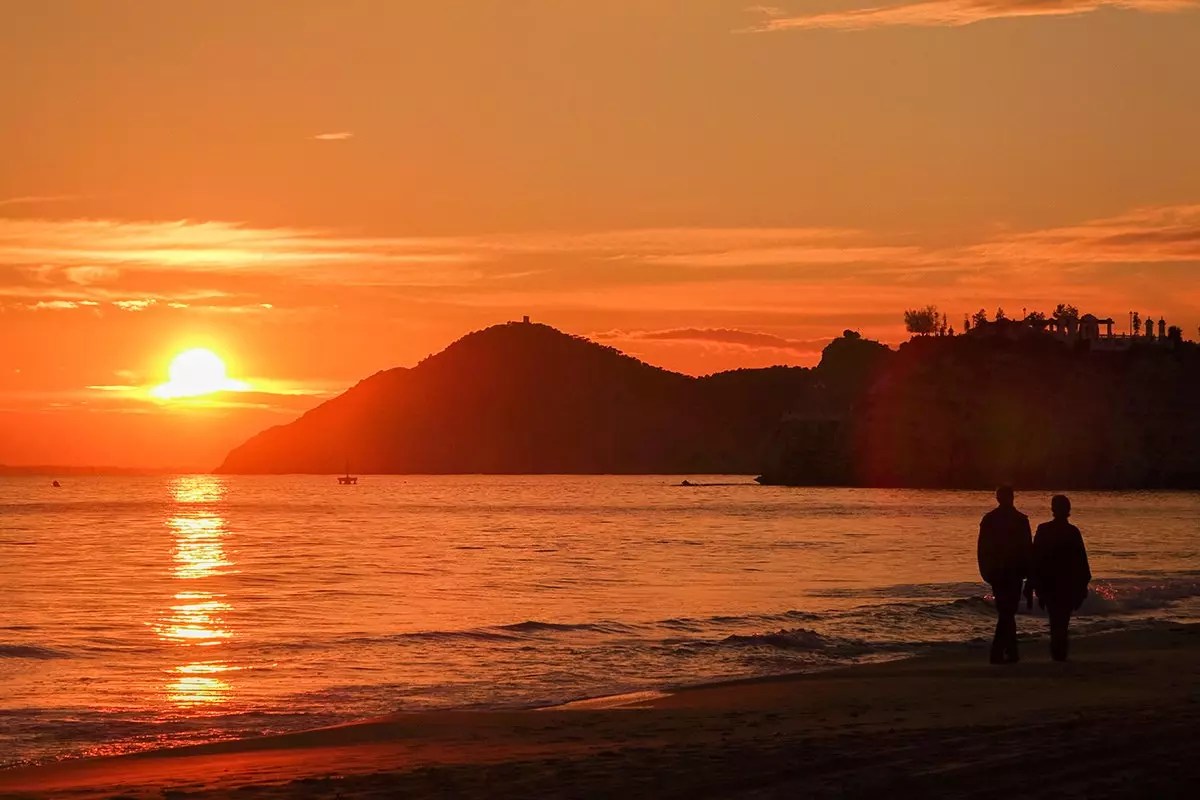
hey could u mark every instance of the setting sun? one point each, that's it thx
(195, 373)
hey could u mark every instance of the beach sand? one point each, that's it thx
(1121, 719)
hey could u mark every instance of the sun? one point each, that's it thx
(197, 372)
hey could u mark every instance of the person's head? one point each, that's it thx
(1060, 506)
(1004, 496)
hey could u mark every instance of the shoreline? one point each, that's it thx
(1146, 676)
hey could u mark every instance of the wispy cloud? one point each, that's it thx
(123, 398)
(33, 200)
(135, 305)
(93, 249)
(62, 305)
(1144, 236)
(338, 136)
(951, 13)
(86, 276)
(750, 340)
(88, 252)
(220, 267)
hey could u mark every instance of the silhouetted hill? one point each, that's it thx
(526, 398)
(966, 411)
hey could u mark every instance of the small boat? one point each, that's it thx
(348, 479)
(56, 485)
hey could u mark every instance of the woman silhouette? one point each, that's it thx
(1060, 572)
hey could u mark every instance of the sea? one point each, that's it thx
(157, 611)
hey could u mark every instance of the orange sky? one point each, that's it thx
(317, 190)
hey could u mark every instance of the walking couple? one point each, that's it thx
(1053, 564)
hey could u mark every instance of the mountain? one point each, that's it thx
(526, 398)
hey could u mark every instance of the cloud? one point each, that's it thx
(210, 308)
(135, 399)
(61, 305)
(339, 136)
(134, 305)
(953, 13)
(785, 256)
(1143, 236)
(229, 268)
(750, 340)
(31, 200)
(96, 248)
(85, 276)
(82, 253)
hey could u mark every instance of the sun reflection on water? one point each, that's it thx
(198, 489)
(197, 615)
(200, 684)
(196, 620)
(199, 552)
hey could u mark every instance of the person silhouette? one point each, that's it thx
(1060, 572)
(1004, 551)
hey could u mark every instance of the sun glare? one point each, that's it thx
(195, 373)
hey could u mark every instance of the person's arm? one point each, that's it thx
(1027, 541)
(1026, 548)
(981, 551)
(1086, 568)
(1080, 570)
(1035, 564)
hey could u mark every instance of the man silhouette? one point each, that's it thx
(1004, 551)
(1060, 572)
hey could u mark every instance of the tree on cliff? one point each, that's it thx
(923, 321)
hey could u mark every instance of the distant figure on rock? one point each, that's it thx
(1005, 551)
(1060, 572)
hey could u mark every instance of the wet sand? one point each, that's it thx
(1122, 719)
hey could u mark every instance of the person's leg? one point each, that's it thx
(1004, 642)
(997, 652)
(1060, 618)
(1011, 654)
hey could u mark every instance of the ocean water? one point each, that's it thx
(143, 612)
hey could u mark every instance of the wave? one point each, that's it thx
(529, 629)
(799, 639)
(534, 626)
(832, 649)
(919, 615)
(1107, 596)
(1133, 595)
(31, 651)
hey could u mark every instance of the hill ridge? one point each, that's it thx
(524, 397)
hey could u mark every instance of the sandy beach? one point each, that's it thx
(1120, 719)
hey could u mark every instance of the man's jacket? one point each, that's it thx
(1005, 548)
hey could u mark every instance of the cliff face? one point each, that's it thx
(526, 398)
(968, 412)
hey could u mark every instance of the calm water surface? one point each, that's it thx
(150, 611)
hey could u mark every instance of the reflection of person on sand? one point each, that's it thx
(1004, 549)
(1060, 572)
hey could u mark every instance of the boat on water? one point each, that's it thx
(348, 480)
